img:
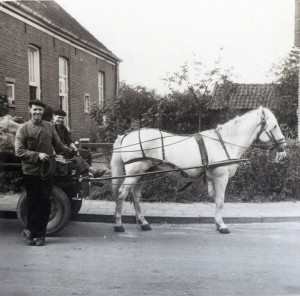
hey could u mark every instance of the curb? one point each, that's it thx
(183, 220)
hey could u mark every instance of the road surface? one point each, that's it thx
(91, 259)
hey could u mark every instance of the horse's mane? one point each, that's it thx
(232, 122)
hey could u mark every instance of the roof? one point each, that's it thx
(242, 96)
(52, 14)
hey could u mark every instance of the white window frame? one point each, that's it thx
(10, 84)
(101, 80)
(63, 69)
(34, 69)
(87, 103)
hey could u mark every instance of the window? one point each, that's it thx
(101, 89)
(34, 73)
(87, 103)
(63, 87)
(10, 90)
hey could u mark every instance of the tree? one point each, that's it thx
(194, 80)
(124, 113)
(286, 75)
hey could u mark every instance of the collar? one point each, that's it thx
(40, 123)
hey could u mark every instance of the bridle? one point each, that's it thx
(275, 142)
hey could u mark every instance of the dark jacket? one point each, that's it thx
(32, 139)
(63, 134)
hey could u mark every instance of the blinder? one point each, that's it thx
(275, 142)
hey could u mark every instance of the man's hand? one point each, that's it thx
(43, 157)
(72, 152)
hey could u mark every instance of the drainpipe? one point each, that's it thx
(297, 45)
(117, 73)
(298, 110)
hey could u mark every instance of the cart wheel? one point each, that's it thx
(60, 211)
(75, 207)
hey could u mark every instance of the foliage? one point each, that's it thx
(286, 75)
(175, 113)
(182, 111)
(136, 107)
(197, 82)
(124, 113)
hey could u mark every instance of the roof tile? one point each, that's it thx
(242, 96)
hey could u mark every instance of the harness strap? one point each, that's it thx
(140, 142)
(162, 146)
(158, 161)
(222, 143)
(202, 148)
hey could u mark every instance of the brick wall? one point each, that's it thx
(16, 36)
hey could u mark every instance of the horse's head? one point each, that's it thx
(270, 132)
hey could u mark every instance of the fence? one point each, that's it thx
(97, 149)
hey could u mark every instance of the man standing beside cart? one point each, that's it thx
(35, 143)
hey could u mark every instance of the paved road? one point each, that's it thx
(90, 259)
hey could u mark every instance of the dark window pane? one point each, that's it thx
(32, 92)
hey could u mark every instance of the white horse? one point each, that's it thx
(8, 129)
(140, 150)
(8, 126)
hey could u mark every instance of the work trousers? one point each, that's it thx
(39, 204)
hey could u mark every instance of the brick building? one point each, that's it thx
(46, 54)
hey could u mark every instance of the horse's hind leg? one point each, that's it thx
(136, 195)
(122, 195)
(210, 188)
(220, 184)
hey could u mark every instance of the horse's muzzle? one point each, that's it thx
(280, 146)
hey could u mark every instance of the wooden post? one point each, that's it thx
(159, 117)
(200, 120)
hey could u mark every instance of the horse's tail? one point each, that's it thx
(116, 164)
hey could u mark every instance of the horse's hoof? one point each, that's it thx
(146, 227)
(223, 230)
(119, 228)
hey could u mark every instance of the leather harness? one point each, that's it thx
(202, 149)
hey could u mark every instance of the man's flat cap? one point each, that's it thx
(59, 112)
(37, 103)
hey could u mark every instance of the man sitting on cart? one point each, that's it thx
(64, 135)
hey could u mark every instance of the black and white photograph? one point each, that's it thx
(149, 147)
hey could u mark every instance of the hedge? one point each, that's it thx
(263, 178)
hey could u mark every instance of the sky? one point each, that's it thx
(153, 38)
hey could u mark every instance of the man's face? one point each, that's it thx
(58, 119)
(36, 112)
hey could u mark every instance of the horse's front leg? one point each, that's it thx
(136, 195)
(220, 184)
(122, 195)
